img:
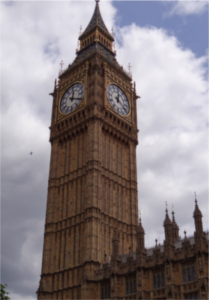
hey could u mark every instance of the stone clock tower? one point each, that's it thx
(92, 207)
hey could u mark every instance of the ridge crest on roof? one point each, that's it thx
(96, 21)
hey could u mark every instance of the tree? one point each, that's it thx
(4, 293)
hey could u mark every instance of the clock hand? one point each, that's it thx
(118, 100)
(75, 99)
(72, 97)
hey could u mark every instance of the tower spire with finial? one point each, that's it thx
(175, 229)
(197, 215)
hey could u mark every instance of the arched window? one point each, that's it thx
(154, 282)
(163, 280)
(134, 285)
(158, 280)
(127, 287)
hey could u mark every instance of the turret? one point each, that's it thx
(96, 31)
(140, 237)
(168, 228)
(175, 228)
(197, 215)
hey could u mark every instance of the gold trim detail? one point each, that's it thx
(64, 89)
(128, 96)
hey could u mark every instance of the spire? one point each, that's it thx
(173, 218)
(140, 236)
(175, 229)
(140, 228)
(197, 215)
(96, 21)
(167, 219)
(197, 211)
(168, 227)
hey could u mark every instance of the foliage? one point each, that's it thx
(4, 293)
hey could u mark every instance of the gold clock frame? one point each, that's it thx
(128, 98)
(64, 90)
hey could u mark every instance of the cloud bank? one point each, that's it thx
(188, 7)
(172, 117)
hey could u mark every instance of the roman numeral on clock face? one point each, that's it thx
(118, 99)
(72, 98)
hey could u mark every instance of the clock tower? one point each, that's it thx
(92, 206)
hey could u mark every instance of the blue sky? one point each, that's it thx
(167, 45)
(190, 29)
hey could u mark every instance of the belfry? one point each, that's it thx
(94, 243)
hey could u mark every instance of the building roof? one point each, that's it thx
(197, 211)
(178, 245)
(167, 219)
(96, 21)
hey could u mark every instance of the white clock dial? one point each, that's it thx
(72, 98)
(118, 100)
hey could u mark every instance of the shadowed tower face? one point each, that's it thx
(92, 187)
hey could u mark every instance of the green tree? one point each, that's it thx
(4, 293)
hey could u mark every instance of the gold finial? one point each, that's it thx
(112, 31)
(140, 217)
(61, 71)
(80, 30)
(61, 64)
(129, 67)
(195, 198)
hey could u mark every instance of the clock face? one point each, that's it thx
(72, 98)
(118, 100)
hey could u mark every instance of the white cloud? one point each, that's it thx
(172, 116)
(188, 7)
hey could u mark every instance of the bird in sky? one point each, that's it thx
(31, 153)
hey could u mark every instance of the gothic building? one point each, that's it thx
(94, 245)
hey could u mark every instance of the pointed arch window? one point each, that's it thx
(130, 285)
(189, 272)
(158, 279)
(105, 290)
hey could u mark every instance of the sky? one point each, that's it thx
(166, 43)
